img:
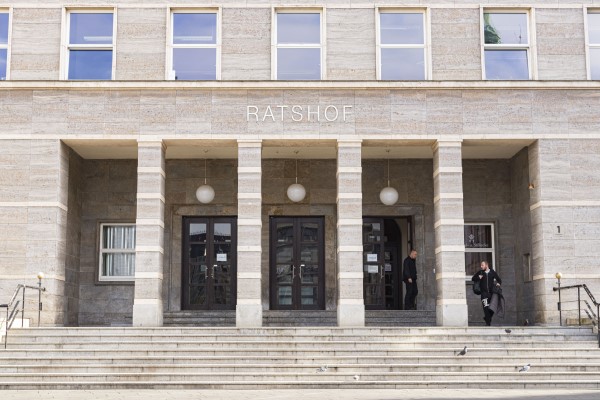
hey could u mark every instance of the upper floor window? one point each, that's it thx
(3, 44)
(593, 26)
(117, 252)
(90, 45)
(298, 45)
(506, 45)
(402, 46)
(194, 46)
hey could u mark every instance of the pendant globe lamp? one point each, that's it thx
(205, 193)
(296, 192)
(388, 195)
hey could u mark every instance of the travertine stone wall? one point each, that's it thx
(108, 195)
(249, 250)
(560, 43)
(451, 306)
(73, 236)
(141, 44)
(350, 308)
(455, 44)
(150, 225)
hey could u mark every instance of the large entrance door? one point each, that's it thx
(297, 262)
(381, 264)
(209, 263)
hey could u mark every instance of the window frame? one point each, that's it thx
(101, 251)
(274, 39)
(588, 45)
(491, 250)
(426, 35)
(530, 47)
(66, 39)
(170, 45)
(9, 12)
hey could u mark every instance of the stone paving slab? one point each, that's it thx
(408, 394)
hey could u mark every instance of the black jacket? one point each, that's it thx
(487, 283)
(409, 270)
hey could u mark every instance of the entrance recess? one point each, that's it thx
(209, 263)
(382, 267)
(297, 263)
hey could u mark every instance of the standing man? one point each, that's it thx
(409, 276)
(488, 278)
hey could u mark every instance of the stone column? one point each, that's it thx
(150, 226)
(451, 304)
(249, 250)
(351, 304)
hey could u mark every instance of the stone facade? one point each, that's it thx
(518, 154)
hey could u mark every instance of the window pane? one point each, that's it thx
(402, 64)
(595, 63)
(298, 28)
(401, 28)
(478, 237)
(3, 28)
(473, 262)
(299, 64)
(119, 264)
(194, 28)
(506, 64)
(90, 64)
(91, 28)
(195, 64)
(594, 28)
(2, 64)
(118, 237)
(505, 28)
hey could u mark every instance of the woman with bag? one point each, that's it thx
(488, 279)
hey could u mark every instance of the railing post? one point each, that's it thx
(559, 302)
(23, 308)
(579, 304)
(598, 322)
(6, 326)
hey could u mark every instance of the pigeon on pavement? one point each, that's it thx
(508, 330)
(525, 368)
(323, 368)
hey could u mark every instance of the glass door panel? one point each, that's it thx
(373, 263)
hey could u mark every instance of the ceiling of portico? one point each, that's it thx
(301, 149)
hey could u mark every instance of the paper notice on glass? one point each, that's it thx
(388, 267)
(221, 257)
(373, 269)
(371, 257)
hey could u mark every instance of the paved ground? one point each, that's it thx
(384, 394)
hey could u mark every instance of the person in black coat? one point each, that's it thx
(409, 276)
(488, 278)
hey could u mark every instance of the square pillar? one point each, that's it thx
(150, 226)
(351, 304)
(451, 303)
(249, 249)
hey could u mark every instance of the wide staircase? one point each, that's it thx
(299, 357)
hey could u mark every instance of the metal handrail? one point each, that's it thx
(11, 314)
(595, 320)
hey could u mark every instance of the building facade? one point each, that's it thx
(121, 120)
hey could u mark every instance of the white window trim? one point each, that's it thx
(66, 47)
(275, 46)
(9, 11)
(588, 45)
(530, 47)
(483, 250)
(426, 35)
(101, 251)
(171, 46)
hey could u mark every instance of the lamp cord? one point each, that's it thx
(205, 171)
(388, 172)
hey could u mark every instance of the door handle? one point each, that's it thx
(293, 272)
(213, 271)
(301, 266)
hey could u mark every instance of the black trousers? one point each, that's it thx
(411, 295)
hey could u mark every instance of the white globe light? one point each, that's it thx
(296, 192)
(205, 194)
(388, 196)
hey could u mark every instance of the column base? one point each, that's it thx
(248, 316)
(148, 314)
(351, 315)
(452, 315)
